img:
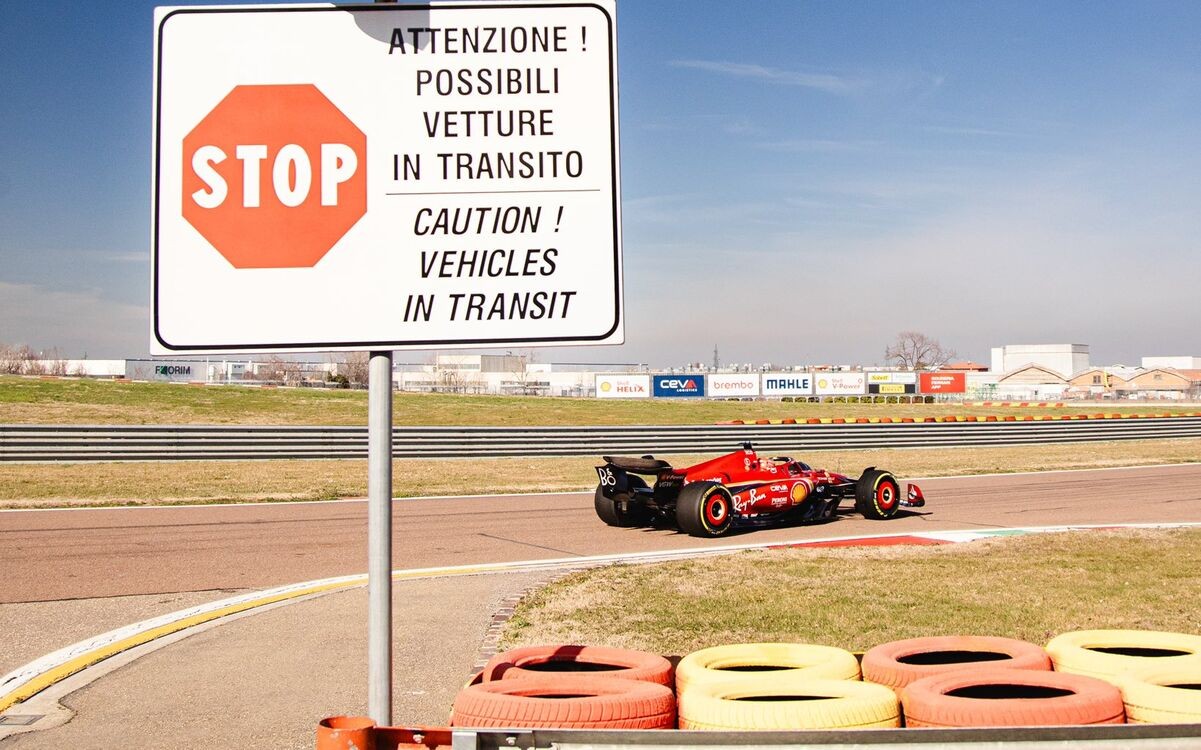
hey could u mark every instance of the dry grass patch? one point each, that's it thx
(50, 485)
(1029, 587)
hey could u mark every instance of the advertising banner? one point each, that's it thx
(733, 385)
(840, 383)
(891, 388)
(679, 386)
(787, 384)
(180, 370)
(892, 377)
(943, 382)
(623, 386)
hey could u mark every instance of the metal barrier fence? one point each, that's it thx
(1096, 737)
(165, 442)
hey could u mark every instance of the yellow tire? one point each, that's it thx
(722, 662)
(1105, 654)
(786, 701)
(1163, 694)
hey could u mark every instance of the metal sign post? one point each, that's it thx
(379, 538)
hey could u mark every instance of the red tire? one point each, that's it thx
(577, 702)
(597, 661)
(995, 697)
(899, 663)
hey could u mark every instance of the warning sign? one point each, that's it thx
(386, 177)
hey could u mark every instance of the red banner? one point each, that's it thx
(942, 382)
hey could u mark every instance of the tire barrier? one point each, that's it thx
(32, 443)
(1163, 694)
(996, 697)
(575, 702)
(759, 659)
(570, 660)
(898, 663)
(1108, 653)
(947, 681)
(788, 701)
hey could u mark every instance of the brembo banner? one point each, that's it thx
(733, 385)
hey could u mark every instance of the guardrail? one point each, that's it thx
(194, 442)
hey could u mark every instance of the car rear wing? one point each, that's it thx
(648, 465)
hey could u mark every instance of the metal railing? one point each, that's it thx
(199, 442)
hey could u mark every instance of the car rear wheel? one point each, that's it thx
(704, 509)
(612, 512)
(877, 495)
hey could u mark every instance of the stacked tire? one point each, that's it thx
(983, 681)
(569, 687)
(1158, 673)
(779, 686)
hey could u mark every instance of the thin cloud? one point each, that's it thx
(816, 145)
(822, 81)
(136, 257)
(952, 130)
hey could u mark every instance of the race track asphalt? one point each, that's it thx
(264, 680)
(70, 554)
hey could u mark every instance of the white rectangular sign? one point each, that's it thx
(386, 177)
(840, 383)
(878, 378)
(732, 385)
(787, 384)
(623, 386)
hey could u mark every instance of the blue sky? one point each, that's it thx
(801, 181)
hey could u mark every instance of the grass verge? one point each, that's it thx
(1029, 587)
(160, 483)
(79, 401)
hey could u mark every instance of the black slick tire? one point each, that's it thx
(704, 509)
(877, 495)
(611, 512)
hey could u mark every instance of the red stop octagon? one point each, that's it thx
(274, 176)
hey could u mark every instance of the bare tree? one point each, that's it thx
(10, 360)
(357, 367)
(917, 351)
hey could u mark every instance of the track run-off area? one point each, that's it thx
(56, 560)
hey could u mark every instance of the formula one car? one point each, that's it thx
(739, 489)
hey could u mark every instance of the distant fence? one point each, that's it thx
(166, 443)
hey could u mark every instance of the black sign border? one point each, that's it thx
(385, 345)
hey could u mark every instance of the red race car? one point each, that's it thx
(739, 489)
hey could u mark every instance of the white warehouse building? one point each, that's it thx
(1065, 359)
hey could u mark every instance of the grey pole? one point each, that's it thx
(379, 539)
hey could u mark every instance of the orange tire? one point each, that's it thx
(592, 660)
(995, 697)
(576, 702)
(899, 663)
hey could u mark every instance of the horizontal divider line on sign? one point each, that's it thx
(30, 443)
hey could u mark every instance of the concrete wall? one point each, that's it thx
(1179, 363)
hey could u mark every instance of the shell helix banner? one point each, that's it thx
(679, 386)
(623, 386)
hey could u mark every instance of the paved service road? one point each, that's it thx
(69, 554)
